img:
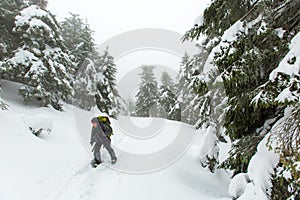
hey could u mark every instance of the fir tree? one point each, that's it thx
(3, 105)
(78, 38)
(167, 98)
(85, 85)
(41, 61)
(245, 58)
(130, 107)
(147, 95)
(41, 3)
(9, 9)
(108, 99)
(182, 92)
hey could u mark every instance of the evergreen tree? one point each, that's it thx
(129, 107)
(245, 48)
(167, 98)
(147, 95)
(108, 99)
(9, 9)
(41, 61)
(78, 38)
(85, 85)
(183, 94)
(41, 3)
(3, 105)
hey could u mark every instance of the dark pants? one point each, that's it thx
(107, 144)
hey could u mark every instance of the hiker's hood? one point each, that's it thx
(94, 120)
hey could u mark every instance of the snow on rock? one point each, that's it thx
(238, 184)
(40, 124)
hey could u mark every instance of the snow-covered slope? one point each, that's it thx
(56, 165)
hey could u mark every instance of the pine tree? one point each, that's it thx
(245, 48)
(41, 3)
(147, 95)
(78, 38)
(8, 41)
(85, 85)
(167, 98)
(129, 107)
(108, 99)
(3, 105)
(182, 92)
(41, 61)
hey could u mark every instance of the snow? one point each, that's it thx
(39, 122)
(23, 57)
(260, 169)
(284, 66)
(199, 20)
(56, 166)
(209, 147)
(30, 12)
(238, 184)
(280, 32)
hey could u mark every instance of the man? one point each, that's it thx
(99, 138)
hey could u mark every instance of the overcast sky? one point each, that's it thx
(110, 18)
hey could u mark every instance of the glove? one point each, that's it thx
(92, 143)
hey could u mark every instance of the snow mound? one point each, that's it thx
(238, 184)
(260, 168)
(209, 147)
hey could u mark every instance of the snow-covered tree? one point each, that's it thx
(167, 98)
(108, 99)
(85, 83)
(41, 3)
(129, 108)
(188, 87)
(147, 95)
(41, 61)
(246, 41)
(3, 105)
(9, 9)
(183, 94)
(78, 38)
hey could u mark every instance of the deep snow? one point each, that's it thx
(56, 165)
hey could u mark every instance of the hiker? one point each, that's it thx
(99, 137)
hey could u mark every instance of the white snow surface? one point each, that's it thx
(30, 14)
(56, 165)
(260, 169)
(238, 184)
(199, 20)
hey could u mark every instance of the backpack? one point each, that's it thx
(105, 125)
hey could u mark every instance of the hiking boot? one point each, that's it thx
(113, 160)
(95, 162)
